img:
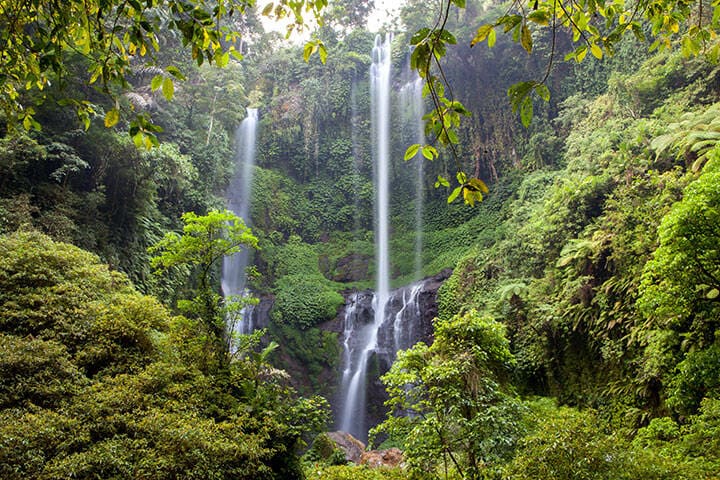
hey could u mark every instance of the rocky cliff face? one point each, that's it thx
(409, 315)
(369, 347)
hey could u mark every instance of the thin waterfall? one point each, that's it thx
(238, 201)
(352, 418)
(406, 320)
(380, 99)
(412, 111)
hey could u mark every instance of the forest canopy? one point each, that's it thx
(113, 40)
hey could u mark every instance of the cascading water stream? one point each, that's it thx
(406, 319)
(352, 417)
(412, 111)
(380, 95)
(366, 342)
(238, 201)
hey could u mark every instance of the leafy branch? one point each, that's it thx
(430, 46)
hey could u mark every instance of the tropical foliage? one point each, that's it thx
(99, 381)
(576, 338)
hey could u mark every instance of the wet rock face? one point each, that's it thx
(408, 317)
(352, 268)
(260, 315)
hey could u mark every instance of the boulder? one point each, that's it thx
(352, 447)
(392, 457)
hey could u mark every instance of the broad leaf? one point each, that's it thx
(482, 34)
(112, 117)
(168, 88)
(526, 38)
(411, 151)
(454, 194)
(156, 82)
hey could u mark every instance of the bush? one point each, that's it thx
(98, 381)
(568, 444)
(352, 472)
(304, 301)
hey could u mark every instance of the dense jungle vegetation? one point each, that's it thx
(577, 337)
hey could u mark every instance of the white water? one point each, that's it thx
(352, 418)
(412, 111)
(368, 340)
(238, 201)
(406, 319)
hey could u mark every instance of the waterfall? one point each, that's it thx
(412, 110)
(238, 201)
(369, 342)
(359, 338)
(380, 100)
(365, 336)
(405, 331)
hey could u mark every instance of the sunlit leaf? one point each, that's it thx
(175, 72)
(419, 36)
(156, 82)
(526, 111)
(307, 51)
(580, 53)
(112, 117)
(541, 17)
(223, 59)
(429, 152)
(454, 194)
(482, 34)
(168, 88)
(471, 196)
(543, 92)
(411, 151)
(478, 185)
(526, 38)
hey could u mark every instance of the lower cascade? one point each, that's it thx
(370, 346)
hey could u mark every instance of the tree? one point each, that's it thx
(681, 284)
(114, 37)
(458, 407)
(205, 241)
(347, 15)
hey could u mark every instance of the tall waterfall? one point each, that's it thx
(412, 110)
(380, 101)
(238, 200)
(365, 338)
